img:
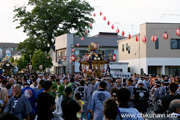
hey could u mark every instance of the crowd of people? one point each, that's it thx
(45, 96)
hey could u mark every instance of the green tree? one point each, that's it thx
(12, 60)
(22, 63)
(39, 59)
(51, 18)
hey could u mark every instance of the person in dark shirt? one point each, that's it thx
(45, 103)
(69, 106)
(141, 97)
(166, 100)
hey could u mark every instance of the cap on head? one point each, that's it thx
(140, 82)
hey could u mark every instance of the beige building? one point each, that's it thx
(160, 57)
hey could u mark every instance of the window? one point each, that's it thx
(82, 53)
(128, 49)
(129, 69)
(142, 71)
(157, 44)
(60, 55)
(123, 47)
(109, 53)
(101, 51)
(126, 46)
(175, 43)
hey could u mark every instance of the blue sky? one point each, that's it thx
(126, 13)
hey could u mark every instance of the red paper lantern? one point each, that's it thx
(82, 38)
(122, 33)
(137, 38)
(117, 31)
(86, 31)
(73, 57)
(114, 57)
(154, 38)
(129, 36)
(108, 23)
(104, 18)
(165, 36)
(90, 24)
(73, 50)
(64, 58)
(77, 44)
(144, 39)
(112, 26)
(178, 32)
(100, 13)
(94, 14)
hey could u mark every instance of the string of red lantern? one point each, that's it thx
(144, 39)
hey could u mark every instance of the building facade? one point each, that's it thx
(160, 57)
(65, 43)
(9, 49)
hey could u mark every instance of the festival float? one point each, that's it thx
(93, 63)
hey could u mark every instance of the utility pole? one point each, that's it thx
(132, 28)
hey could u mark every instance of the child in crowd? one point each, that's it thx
(78, 99)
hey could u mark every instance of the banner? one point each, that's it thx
(120, 74)
(8, 52)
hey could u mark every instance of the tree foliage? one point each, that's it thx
(51, 18)
(22, 63)
(39, 59)
(12, 60)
